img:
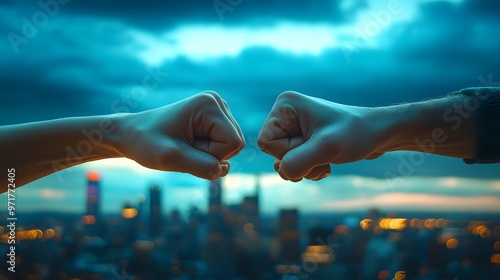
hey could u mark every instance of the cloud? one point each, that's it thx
(90, 55)
(418, 201)
(52, 194)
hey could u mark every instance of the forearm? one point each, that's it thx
(40, 148)
(445, 126)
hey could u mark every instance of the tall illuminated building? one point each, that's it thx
(155, 216)
(93, 194)
(92, 220)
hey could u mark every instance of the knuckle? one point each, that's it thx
(289, 94)
(236, 144)
(206, 98)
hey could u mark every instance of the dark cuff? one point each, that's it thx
(488, 124)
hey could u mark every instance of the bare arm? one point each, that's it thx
(307, 134)
(196, 135)
(40, 148)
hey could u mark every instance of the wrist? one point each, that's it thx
(396, 127)
(113, 129)
(440, 126)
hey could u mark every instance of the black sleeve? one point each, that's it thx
(488, 124)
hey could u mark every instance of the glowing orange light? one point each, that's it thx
(414, 223)
(400, 275)
(88, 220)
(365, 224)
(440, 223)
(495, 258)
(392, 223)
(39, 233)
(318, 254)
(496, 246)
(129, 213)
(383, 274)
(49, 233)
(430, 223)
(452, 243)
(93, 176)
(342, 229)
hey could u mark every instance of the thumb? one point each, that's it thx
(301, 160)
(200, 164)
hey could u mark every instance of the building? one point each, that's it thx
(92, 220)
(155, 211)
(289, 236)
(220, 249)
(93, 194)
(250, 209)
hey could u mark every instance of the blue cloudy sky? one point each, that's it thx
(64, 58)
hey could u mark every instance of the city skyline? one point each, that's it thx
(93, 60)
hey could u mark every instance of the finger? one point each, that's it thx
(277, 164)
(225, 166)
(300, 161)
(221, 151)
(279, 147)
(374, 155)
(198, 163)
(319, 172)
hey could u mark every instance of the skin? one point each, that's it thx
(197, 135)
(306, 134)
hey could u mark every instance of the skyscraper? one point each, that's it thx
(93, 194)
(250, 208)
(92, 220)
(155, 216)
(219, 242)
(289, 235)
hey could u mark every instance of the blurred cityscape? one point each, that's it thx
(238, 242)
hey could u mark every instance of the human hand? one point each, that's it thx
(305, 134)
(196, 135)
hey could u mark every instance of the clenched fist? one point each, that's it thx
(306, 134)
(196, 135)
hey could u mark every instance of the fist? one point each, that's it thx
(197, 135)
(306, 134)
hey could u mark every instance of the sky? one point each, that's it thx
(63, 58)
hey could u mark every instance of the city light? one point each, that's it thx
(88, 220)
(319, 254)
(400, 275)
(129, 213)
(366, 224)
(495, 259)
(392, 223)
(452, 243)
(93, 176)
